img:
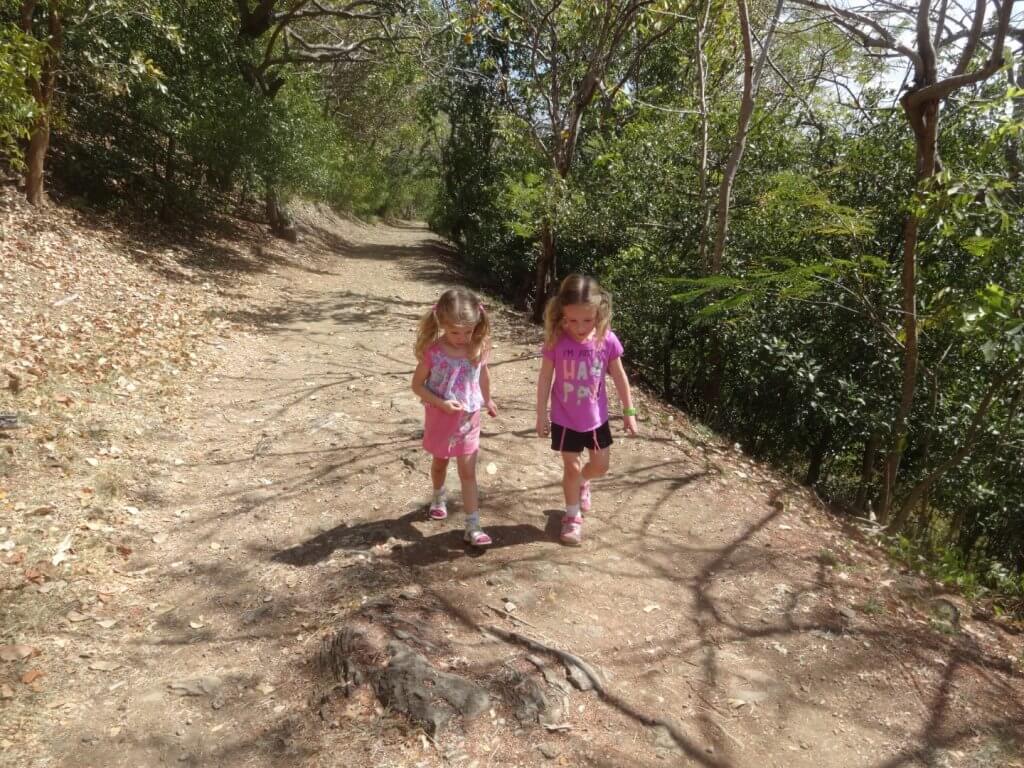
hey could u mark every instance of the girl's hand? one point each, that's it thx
(451, 406)
(543, 426)
(492, 409)
(631, 426)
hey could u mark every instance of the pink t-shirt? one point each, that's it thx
(579, 399)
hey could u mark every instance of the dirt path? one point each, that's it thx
(733, 623)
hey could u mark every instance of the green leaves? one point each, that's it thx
(19, 60)
(994, 320)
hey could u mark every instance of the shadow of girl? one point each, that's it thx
(412, 546)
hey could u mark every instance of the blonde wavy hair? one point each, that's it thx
(577, 289)
(456, 306)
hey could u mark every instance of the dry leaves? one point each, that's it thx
(17, 652)
(62, 551)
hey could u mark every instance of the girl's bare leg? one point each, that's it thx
(438, 473)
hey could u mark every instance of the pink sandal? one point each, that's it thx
(477, 538)
(585, 496)
(572, 530)
(438, 511)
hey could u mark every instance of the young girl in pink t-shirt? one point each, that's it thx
(579, 348)
(452, 380)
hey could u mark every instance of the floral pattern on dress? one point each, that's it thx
(455, 378)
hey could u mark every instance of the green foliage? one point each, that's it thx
(976, 577)
(805, 308)
(19, 60)
(158, 110)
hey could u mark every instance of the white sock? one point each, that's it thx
(439, 495)
(473, 519)
(572, 510)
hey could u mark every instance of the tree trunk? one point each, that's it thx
(1014, 150)
(42, 90)
(272, 207)
(818, 458)
(751, 80)
(702, 159)
(169, 204)
(739, 144)
(35, 158)
(925, 122)
(667, 348)
(867, 471)
(280, 222)
(545, 269)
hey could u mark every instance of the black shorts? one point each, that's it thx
(571, 441)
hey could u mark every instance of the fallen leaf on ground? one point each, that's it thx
(104, 666)
(62, 550)
(31, 676)
(198, 687)
(16, 652)
(557, 726)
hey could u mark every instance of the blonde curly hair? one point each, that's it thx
(577, 289)
(456, 306)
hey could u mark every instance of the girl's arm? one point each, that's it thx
(621, 381)
(547, 373)
(485, 389)
(419, 387)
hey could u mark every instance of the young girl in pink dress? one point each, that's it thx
(452, 380)
(579, 349)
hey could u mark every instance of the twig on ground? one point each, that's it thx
(508, 615)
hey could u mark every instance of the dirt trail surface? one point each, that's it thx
(281, 596)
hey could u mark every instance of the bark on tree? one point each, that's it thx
(751, 80)
(42, 90)
(817, 460)
(867, 471)
(545, 268)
